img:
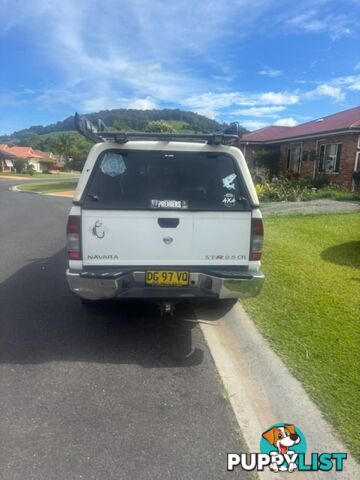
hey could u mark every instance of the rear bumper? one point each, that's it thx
(103, 285)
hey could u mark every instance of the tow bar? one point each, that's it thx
(167, 307)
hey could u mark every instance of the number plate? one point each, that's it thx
(168, 278)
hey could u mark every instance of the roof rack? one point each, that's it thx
(99, 133)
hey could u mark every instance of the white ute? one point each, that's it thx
(164, 217)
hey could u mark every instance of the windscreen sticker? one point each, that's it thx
(181, 204)
(229, 200)
(113, 165)
(228, 182)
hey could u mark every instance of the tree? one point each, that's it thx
(73, 147)
(19, 164)
(121, 126)
(159, 126)
(63, 146)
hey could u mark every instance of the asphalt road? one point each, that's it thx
(113, 393)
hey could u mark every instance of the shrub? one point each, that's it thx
(283, 190)
(159, 126)
(260, 175)
(290, 175)
(19, 165)
(320, 182)
(46, 165)
(292, 191)
(266, 159)
(30, 170)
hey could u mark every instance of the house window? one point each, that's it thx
(293, 161)
(329, 161)
(357, 163)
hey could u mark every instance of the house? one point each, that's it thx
(6, 160)
(328, 146)
(35, 158)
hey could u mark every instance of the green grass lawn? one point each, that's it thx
(40, 175)
(309, 310)
(48, 187)
(334, 194)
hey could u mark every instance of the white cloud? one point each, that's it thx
(214, 101)
(270, 72)
(278, 98)
(265, 104)
(286, 122)
(137, 49)
(135, 55)
(217, 101)
(325, 90)
(15, 98)
(88, 101)
(207, 112)
(259, 111)
(95, 57)
(321, 21)
(357, 66)
(253, 124)
(351, 82)
(355, 86)
(142, 104)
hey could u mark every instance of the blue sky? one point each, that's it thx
(259, 62)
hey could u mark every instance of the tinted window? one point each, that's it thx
(165, 181)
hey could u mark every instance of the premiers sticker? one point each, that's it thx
(180, 204)
(229, 200)
(113, 164)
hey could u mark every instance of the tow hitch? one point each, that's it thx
(167, 307)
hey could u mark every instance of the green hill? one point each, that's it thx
(125, 119)
(60, 137)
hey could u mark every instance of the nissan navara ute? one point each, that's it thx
(164, 217)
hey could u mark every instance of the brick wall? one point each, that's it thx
(250, 151)
(310, 168)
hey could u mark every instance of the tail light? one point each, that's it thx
(257, 238)
(73, 237)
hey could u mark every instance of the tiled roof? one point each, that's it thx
(21, 152)
(6, 154)
(346, 120)
(266, 133)
(42, 154)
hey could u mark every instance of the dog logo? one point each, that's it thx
(283, 449)
(283, 438)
